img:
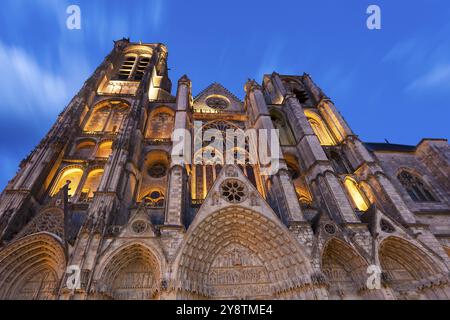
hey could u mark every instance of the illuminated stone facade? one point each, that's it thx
(139, 225)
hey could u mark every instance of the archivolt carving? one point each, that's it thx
(408, 268)
(345, 270)
(132, 273)
(31, 267)
(237, 253)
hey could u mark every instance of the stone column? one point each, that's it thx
(261, 120)
(317, 167)
(177, 179)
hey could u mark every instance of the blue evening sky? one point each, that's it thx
(393, 83)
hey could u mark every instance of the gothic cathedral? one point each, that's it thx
(102, 208)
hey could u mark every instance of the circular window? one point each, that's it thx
(154, 199)
(139, 226)
(155, 195)
(330, 229)
(386, 226)
(234, 191)
(157, 170)
(216, 103)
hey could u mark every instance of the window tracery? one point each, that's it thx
(320, 129)
(415, 187)
(107, 117)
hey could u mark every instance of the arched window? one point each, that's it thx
(155, 173)
(91, 185)
(303, 194)
(126, 68)
(320, 129)
(133, 67)
(356, 194)
(71, 174)
(160, 123)
(415, 187)
(84, 149)
(280, 123)
(154, 198)
(301, 95)
(104, 149)
(297, 88)
(338, 163)
(107, 117)
(142, 65)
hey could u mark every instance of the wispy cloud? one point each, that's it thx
(437, 78)
(423, 60)
(271, 59)
(409, 52)
(157, 7)
(25, 86)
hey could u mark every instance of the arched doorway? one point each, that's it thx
(345, 270)
(406, 268)
(236, 253)
(31, 268)
(133, 273)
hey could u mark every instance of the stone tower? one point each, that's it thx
(115, 203)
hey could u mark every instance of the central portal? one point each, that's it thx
(237, 273)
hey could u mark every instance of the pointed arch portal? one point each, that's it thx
(408, 269)
(31, 267)
(346, 271)
(237, 253)
(133, 273)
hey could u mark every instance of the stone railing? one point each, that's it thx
(158, 141)
(119, 87)
(215, 111)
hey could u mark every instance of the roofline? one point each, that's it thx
(217, 83)
(394, 147)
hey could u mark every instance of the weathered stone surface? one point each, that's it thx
(147, 219)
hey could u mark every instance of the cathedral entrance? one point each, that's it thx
(345, 270)
(406, 267)
(237, 253)
(132, 274)
(238, 273)
(39, 285)
(31, 267)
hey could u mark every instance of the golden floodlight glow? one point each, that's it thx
(355, 193)
(92, 182)
(320, 128)
(104, 150)
(74, 175)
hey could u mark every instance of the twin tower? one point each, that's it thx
(101, 208)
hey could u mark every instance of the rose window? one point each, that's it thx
(386, 226)
(234, 191)
(158, 170)
(216, 103)
(330, 229)
(139, 226)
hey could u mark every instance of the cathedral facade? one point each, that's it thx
(108, 206)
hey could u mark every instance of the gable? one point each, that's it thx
(217, 98)
(233, 189)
